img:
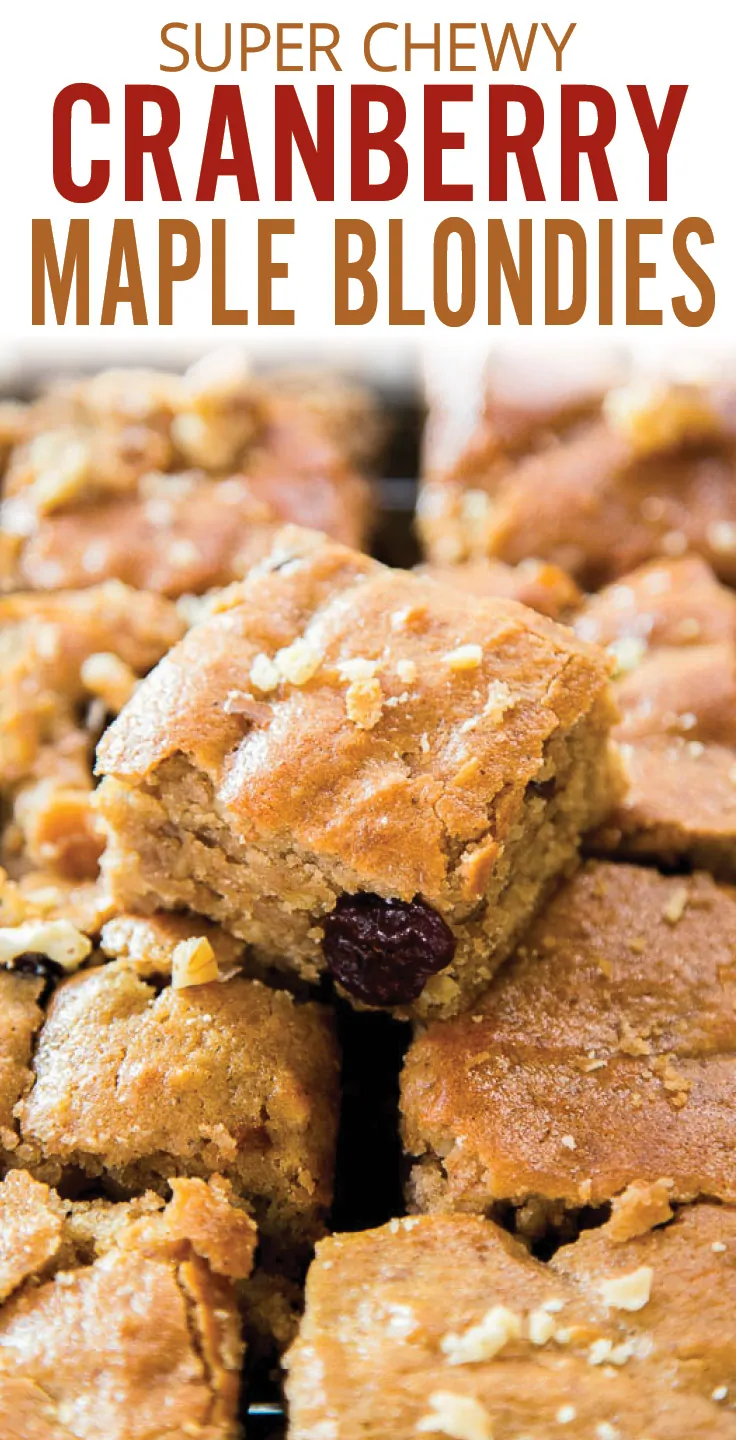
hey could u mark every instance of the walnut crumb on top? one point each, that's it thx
(298, 662)
(676, 905)
(498, 700)
(364, 703)
(407, 671)
(541, 1326)
(628, 1292)
(359, 668)
(264, 674)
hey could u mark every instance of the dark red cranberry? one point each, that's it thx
(34, 963)
(384, 951)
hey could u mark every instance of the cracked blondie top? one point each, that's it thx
(350, 769)
(119, 1321)
(624, 476)
(602, 1055)
(671, 628)
(445, 1325)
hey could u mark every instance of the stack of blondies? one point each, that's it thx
(258, 792)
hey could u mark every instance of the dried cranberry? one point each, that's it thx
(384, 951)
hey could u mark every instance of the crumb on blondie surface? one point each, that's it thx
(601, 1056)
(598, 489)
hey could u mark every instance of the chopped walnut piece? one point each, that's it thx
(628, 1292)
(298, 662)
(541, 1326)
(464, 657)
(364, 703)
(676, 906)
(407, 671)
(359, 668)
(458, 1416)
(639, 1209)
(264, 674)
(484, 1340)
(193, 962)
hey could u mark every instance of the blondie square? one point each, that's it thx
(542, 587)
(445, 1325)
(353, 770)
(602, 1057)
(644, 472)
(119, 1321)
(175, 483)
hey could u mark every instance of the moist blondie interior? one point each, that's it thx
(339, 731)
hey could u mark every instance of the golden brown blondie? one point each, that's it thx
(671, 629)
(598, 483)
(352, 771)
(119, 1321)
(175, 483)
(130, 1083)
(445, 1325)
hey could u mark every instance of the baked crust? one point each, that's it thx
(601, 1056)
(399, 751)
(667, 602)
(119, 1321)
(446, 1325)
